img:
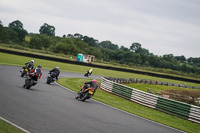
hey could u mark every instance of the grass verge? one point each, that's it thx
(74, 84)
(144, 87)
(8, 128)
(131, 107)
(46, 52)
(8, 59)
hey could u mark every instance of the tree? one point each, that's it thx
(129, 56)
(70, 36)
(153, 61)
(12, 36)
(124, 48)
(90, 41)
(137, 58)
(47, 29)
(108, 44)
(119, 55)
(79, 36)
(107, 54)
(81, 45)
(135, 46)
(3, 34)
(144, 59)
(180, 58)
(17, 26)
(96, 52)
(40, 41)
(184, 68)
(1, 24)
(66, 48)
(169, 58)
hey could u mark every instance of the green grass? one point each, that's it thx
(8, 128)
(46, 52)
(131, 107)
(19, 48)
(8, 59)
(144, 87)
(74, 84)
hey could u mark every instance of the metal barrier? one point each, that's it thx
(172, 107)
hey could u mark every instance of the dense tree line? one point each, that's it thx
(105, 50)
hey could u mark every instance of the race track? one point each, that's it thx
(51, 109)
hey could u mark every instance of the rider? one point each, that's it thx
(37, 71)
(93, 85)
(55, 70)
(89, 72)
(30, 65)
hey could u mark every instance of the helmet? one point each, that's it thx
(32, 61)
(94, 80)
(57, 67)
(39, 66)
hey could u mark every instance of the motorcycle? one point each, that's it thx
(31, 79)
(24, 71)
(85, 93)
(51, 77)
(88, 73)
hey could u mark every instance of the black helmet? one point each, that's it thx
(39, 66)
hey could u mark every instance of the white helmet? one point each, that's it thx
(32, 61)
(57, 67)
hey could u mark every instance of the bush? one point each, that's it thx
(65, 48)
(40, 41)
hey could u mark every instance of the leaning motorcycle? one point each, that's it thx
(87, 74)
(51, 77)
(31, 79)
(85, 93)
(24, 71)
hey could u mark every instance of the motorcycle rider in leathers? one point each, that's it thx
(93, 85)
(29, 65)
(37, 71)
(55, 70)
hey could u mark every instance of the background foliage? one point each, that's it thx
(72, 44)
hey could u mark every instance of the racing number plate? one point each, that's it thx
(26, 69)
(90, 92)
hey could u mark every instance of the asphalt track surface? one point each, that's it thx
(52, 109)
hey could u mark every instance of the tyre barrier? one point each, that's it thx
(169, 106)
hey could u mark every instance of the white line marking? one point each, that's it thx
(15, 125)
(124, 111)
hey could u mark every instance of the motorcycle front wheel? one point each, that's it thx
(29, 84)
(23, 73)
(49, 79)
(85, 97)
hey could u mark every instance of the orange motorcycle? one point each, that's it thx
(85, 93)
